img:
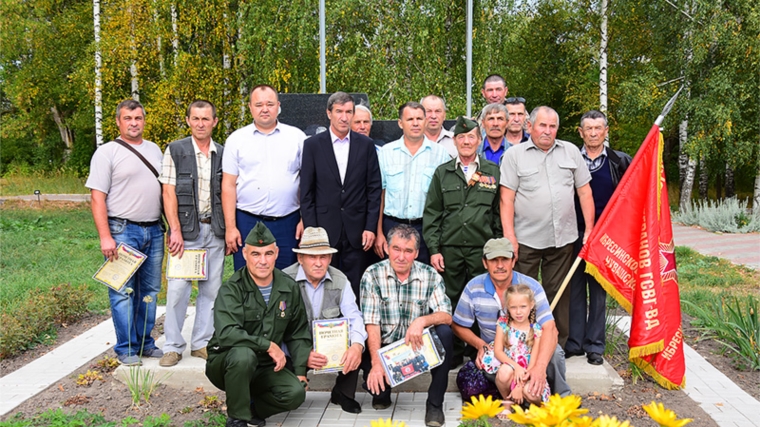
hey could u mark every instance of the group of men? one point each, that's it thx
(428, 228)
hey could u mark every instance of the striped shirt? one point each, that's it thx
(169, 175)
(266, 292)
(392, 304)
(406, 177)
(481, 303)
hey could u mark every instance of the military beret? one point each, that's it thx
(464, 125)
(260, 236)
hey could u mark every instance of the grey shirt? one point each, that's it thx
(133, 192)
(544, 183)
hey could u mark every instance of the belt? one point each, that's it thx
(206, 220)
(414, 221)
(269, 218)
(137, 223)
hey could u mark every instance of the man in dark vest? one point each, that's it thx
(607, 167)
(327, 294)
(191, 178)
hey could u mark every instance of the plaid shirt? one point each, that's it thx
(595, 164)
(392, 304)
(169, 176)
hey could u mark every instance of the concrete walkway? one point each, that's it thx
(738, 248)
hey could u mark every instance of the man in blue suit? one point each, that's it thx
(341, 187)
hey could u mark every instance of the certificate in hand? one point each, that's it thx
(402, 363)
(115, 274)
(331, 340)
(192, 266)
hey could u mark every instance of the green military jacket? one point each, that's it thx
(242, 319)
(457, 214)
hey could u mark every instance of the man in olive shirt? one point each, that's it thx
(257, 310)
(539, 180)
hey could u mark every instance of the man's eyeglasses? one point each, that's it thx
(514, 100)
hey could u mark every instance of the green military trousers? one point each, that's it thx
(239, 373)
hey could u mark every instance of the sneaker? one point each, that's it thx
(201, 352)
(128, 360)
(232, 422)
(434, 416)
(153, 352)
(170, 359)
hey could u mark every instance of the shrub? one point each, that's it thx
(727, 215)
(37, 314)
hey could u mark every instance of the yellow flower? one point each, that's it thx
(664, 417)
(481, 407)
(148, 299)
(563, 408)
(579, 422)
(606, 421)
(386, 423)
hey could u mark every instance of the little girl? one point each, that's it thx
(518, 337)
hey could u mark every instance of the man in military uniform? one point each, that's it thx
(461, 214)
(327, 294)
(257, 310)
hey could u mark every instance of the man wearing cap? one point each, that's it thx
(461, 213)
(407, 166)
(340, 188)
(256, 311)
(327, 294)
(400, 298)
(481, 303)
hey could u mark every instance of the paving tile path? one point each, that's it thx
(738, 248)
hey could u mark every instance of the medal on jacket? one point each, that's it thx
(474, 180)
(487, 181)
(282, 308)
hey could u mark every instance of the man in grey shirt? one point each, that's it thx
(538, 181)
(126, 208)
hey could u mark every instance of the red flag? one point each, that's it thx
(632, 255)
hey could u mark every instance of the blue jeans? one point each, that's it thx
(133, 318)
(283, 229)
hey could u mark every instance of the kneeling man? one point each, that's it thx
(400, 297)
(327, 294)
(257, 310)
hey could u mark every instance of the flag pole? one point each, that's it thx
(658, 122)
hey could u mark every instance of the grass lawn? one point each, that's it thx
(58, 182)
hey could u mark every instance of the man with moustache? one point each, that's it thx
(494, 122)
(461, 211)
(607, 166)
(516, 116)
(192, 186)
(340, 188)
(407, 166)
(539, 180)
(435, 115)
(258, 309)
(261, 179)
(126, 208)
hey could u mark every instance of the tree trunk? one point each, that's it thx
(730, 185)
(704, 179)
(691, 165)
(98, 76)
(133, 50)
(756, 196)
(66, 134)
(603, 67)
(175, 33)
(159, 44)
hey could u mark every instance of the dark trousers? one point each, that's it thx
(424, 255)
(586, 332)
(351, 261)
(238, 372)
(346, 384)
(283, 229)
(554, 264)
(462, 263)
(440, 374)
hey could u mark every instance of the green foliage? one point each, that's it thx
(727, 215)
(734, 322)
(34, 320)
(58, 418)
(211, 419)
(142, 383)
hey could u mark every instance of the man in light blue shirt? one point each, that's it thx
(407, 166)
(327, 294)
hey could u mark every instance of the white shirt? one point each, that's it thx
(446, 140)
(340, 148)
(268, 168)
(470, 169)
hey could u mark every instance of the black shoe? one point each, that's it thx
(569, 354)
(346, 403)
(256, 421)
(595, 358)
(380, 403)
(231, 422)
(434, 416)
